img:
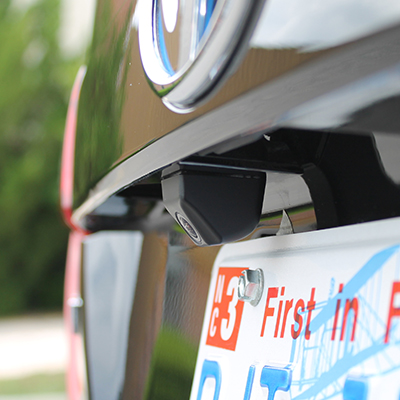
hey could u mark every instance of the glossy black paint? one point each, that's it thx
(314, 109)
(325, 84)
(144, 307)
(111, 267)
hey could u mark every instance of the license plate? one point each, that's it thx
(327, 324)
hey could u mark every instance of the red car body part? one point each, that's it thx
(72, 292)
(68, 151)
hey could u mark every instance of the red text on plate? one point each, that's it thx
(226, 312)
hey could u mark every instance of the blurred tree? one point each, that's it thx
(34, 88)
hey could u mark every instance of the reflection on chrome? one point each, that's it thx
(169, 28)
(170, 14)
(388, 148)
(314, 25)
(185, 48)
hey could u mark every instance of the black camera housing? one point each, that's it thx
(214, 205)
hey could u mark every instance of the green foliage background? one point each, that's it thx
(35, 83)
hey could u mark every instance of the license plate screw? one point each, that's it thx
(251, 286)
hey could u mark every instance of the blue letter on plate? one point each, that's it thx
(211, 369)
(275, 379)
(249, 384)
(355, 389)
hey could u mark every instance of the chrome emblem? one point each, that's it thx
(187, 46)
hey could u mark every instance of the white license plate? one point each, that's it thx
(327, 324)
